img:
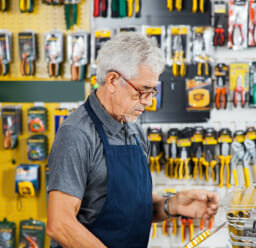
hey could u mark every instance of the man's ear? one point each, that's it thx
(112, 81)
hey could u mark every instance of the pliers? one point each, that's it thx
(237, 25)
(219, 36)
(27, 66)
(198, 161)
(221, 94)
(70, 12)
(77, 71)
(169, 169)
(184, 221)
(204, 60)
(26, 6)
(174, 226)
(195, 6)
(3, 5)
(100, 8)
(178, 59)
(54, 68)
(3, 67)
(209, 162)
(239, 90)
(182, 165)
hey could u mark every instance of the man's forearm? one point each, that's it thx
(72, 234)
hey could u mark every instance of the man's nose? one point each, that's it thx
(147, 101)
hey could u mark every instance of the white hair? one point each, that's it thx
(125, 53)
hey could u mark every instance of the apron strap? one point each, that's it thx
(97, 122)
(138, 143)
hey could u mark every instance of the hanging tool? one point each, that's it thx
(156, 152)
(203, 61)
(172, 152)
(219, 36)
(137, 8)
(129, 8)
(198, 162)
(3, 67)
(209, 162)
(70, 12)
(237, 28)
(198, 239)
(178, 5)
(54, 68)
(3, 5)
(26, 6)
(210, 223)
(239, 90)
(225, 159)
(100, 8)
(195, 6)
(166, 225)
(178, 59)
(170, 5)
(251, 149)
(154, 228)
(253, 26)
(184, 221)
(27, 65)
(221, 94)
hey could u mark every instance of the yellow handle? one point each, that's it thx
(167, 166)
(151, 164)
(157, 166)
(171, 167)
(182, 233)
(213, 164)
(202, 6)
(130, 7)
(194, 7)
(170, 5)
(178, 5)
(246, 178)
(137, 6)
(201, 168)
(23, 6)
(199, 69)
(187, 176)
(154, 230)
(228, 174)
(165, 229)
(222, 163)
(181, 169)
(235, 177)
(191, 229)
(206, 68)
(195, 169)
(174, 226)
(254, 173)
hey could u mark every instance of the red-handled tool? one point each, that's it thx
(96, 8)
(239, 90)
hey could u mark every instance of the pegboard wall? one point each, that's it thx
(16, 208)
(45, 18)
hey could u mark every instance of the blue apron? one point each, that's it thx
(126, 216)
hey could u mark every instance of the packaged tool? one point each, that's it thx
(78, 54)
(12, 125)
(5, 51)
(225, 140)
(186, 222)
(26, 6)
(37, 119)
(250, 154)
(171, 4)
(178, 49)
(32, 233)
(27, 179)
(239, 83)
(4, 5)
(157, 33)
(37, 147)
(183, 168)
(252, 24)
(100, 8)
(196, 151)
(250, 133)
(128, 29)
(124, 8)
(198, 5)
(202, 49)
(171, 141)
(209, 151)
(221, 73)
(71, 12)
(220, 23)
(198, 94)
(155, 137)
(237, 24)
(54, 52)
(27, 53)
(60, 114)
(173, 220)
(156, 100)
(252, 85)
(53, 2)
(7, 234)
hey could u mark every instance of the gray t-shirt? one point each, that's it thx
(77, 161)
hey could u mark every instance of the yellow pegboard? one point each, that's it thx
(13, 208)
(45, 18)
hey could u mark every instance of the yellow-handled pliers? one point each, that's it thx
(26, 6)
(183, 165)
(195, 6)
(198, 162)
(154, 163)
(178, 67)
(225, 161)
(166, 225)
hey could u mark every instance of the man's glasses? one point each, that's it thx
(142, 94)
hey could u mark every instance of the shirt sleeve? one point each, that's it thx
(69, 162)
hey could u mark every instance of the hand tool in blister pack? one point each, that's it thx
(71, 12)
(156, 148)
(27, 52)
(221, 72)
(26, 6)
(178, 67)
(100, 8)
(210, 223)
(78, 54)
(5, 52)
(183, 168)
(201, 237)
(225, 140)
(220, 20)
(209, 146)
(172, 152)
(54, 52)
(250, 152)
(196, 151)
(195, 6)
(239, 91)
(237, 36)
(252, 24)
(184, 222)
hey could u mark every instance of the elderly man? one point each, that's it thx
(100, 183)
